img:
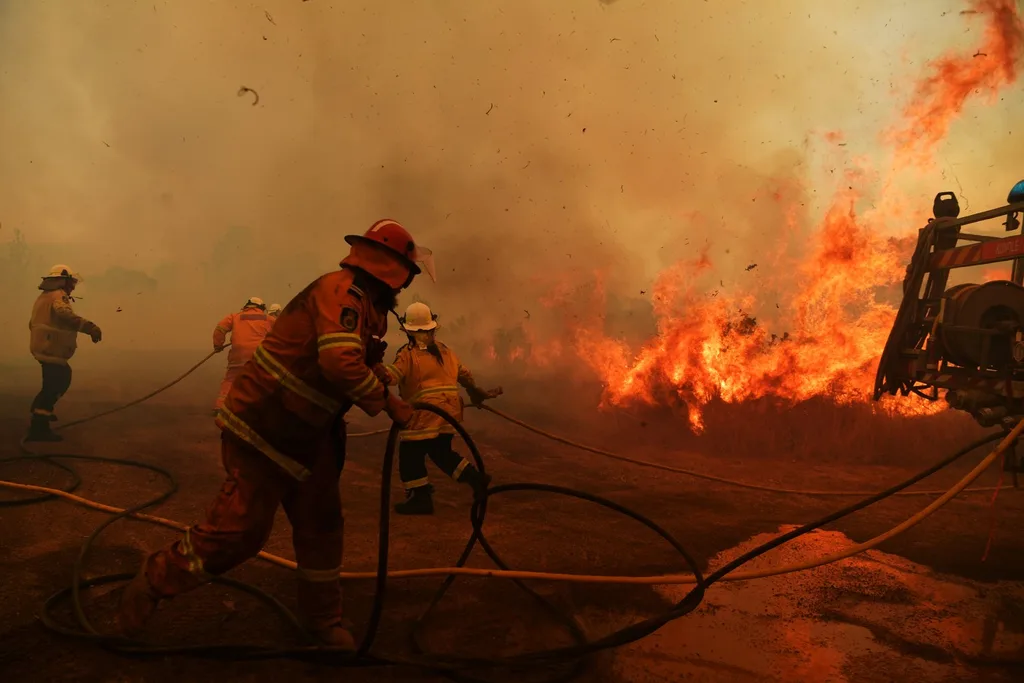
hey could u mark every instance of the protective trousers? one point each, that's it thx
(56, 382)
(241, 518)
(412, 460)
(225, 385)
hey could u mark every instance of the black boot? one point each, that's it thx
(39, 430)
(418, 501)
(478, 482)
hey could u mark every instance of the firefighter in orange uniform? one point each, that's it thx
(53, 338)
(282, 436)
(273, 312)
(428, 371)
(247, 328)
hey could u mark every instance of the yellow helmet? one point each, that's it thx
(418, 318)
(60, 270)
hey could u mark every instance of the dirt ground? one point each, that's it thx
(925, 607)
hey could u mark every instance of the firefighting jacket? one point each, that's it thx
(248, 327)
(309, 369)
(421, 377)
(54, 327)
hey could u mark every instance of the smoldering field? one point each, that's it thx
(545, 152)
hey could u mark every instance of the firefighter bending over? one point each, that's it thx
(428, 371)
(247, 327)
(283, 436)
(54, 329)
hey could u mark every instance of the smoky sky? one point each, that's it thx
(527, 143)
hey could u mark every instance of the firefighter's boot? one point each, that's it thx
(138, 603)
(478, 482)
(418, 501)
(39, 430)
(320, 611)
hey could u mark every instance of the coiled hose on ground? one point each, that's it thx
(564, 662)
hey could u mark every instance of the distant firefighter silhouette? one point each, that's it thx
(247, 328)
(54, 328)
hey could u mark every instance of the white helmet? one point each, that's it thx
(418, 318)
(255, 301)
(60, 270)
(274, 309)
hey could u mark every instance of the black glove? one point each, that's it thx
(375, 351)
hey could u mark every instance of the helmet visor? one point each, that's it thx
(425, 259)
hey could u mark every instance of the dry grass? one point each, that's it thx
(817, 430)
(820, 430)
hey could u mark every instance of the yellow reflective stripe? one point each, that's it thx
(394, 372)
(318, 575)
(415, 483)
(421, 434)
(448, 388)
(293, 383)
(220, 328)
(460, 469)
(195, 563)
(342, 345)
(42, 411)
(244, 432)
(368, 386)
(339, 340)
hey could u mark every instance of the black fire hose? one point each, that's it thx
(570, 660)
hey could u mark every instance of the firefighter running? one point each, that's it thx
(247, 328)
(428, 371)
(53, 330)
(283, 436)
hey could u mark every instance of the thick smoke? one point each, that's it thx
(530, 144)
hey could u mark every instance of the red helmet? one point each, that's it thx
(392, 236)
(389, 235)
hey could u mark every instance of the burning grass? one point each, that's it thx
(750, 388)
(816, 430)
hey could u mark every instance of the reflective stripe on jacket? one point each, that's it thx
(310, 368)
(248, 328)
(421, 377)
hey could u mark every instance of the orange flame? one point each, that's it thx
(939, 97)
(708, 346)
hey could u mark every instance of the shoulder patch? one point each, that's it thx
(349, 319)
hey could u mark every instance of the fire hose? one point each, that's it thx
(452, 665)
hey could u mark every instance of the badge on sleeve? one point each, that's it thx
(349, 319)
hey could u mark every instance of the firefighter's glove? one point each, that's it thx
(397, 409)
(94, 333)
(217, 348)
(477, 396)
(375, 351)
(383, 375)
